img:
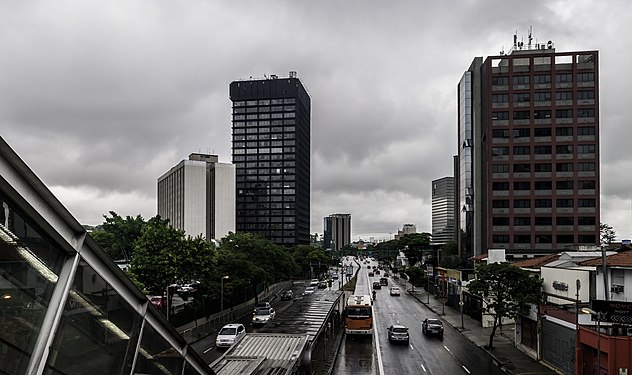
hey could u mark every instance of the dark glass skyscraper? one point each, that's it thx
(271, 153)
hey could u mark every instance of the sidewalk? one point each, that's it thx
(505, 355)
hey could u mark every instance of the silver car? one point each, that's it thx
(229, 334)
(263, 315)
(398, 333)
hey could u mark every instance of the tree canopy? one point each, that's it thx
(506, 289)
(414, 244)
(607, 233)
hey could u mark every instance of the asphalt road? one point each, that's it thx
(423, 355)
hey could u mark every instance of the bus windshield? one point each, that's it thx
(358, 311)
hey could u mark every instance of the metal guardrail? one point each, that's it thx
(205, 326)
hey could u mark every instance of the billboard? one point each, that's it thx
(613, 311)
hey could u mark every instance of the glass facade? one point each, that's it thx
(466, 182)
(65, 307)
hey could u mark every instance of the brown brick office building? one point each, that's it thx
(528, 170)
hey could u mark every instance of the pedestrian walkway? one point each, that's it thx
(505, 354)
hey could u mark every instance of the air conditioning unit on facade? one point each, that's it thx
(616, 288)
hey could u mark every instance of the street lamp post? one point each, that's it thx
(461, 305)
(598, 316)
(221, 298)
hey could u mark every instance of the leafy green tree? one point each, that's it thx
(607, 233)
(309, 257)
(506, 289)
(416, 275)
(414, 245)
(117, 235)
(386, 250)
(448, 256)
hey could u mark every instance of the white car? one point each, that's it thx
(314, 282)
(230, 334)
(395, 291)
(309, 290)
(263, 315)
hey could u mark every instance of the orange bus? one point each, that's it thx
(358, 315)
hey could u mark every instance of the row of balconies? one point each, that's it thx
(542, 193)
(502, 229)
(543, 86)
(529, 175)
(544, 210)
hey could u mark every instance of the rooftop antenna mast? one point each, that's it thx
(530, 38)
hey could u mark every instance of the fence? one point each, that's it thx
(205, 326)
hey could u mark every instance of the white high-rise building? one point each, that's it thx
(198, 196)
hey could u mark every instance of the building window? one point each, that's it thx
(520, 80)
(504, 115)
(522, 221)
(500, 221)
(564, 113)
(542, 79)
(522, 185)
(585, 95)
(500, 186)
(586, 130)
(564, 220)
(564, 78)
(522, 133)
(586, 220)
(543, 220)
(543, 203)
(522, 203)
(500, 203)
(542, 150)
(587, 238)
(564, 167)
(564, 185)
(586, 149)
(542, 114)
(521, 115)
(543, 185)
(542, 167)
(522, 150)
(586, 167)
(522, 97)
(586, 203)
(565, 238)
(589, 184)
(585, 77)
(521, 168)
(564, 203)
(500, 133)
(500, 98)
(522, 238)
(586, 112)
(564, 95)
(564, 149)
(500, 81)
(500, 238)
(500, 168)
(542, 132)
(543, 238)
(564, 131)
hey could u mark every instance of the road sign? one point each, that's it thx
(613, 311)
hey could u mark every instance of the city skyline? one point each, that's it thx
(91, 92)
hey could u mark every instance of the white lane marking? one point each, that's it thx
(376, 336)
(397, 321)
(446, 348)
(422, 366)
(465, 368)
(412, 347)
(209, 349)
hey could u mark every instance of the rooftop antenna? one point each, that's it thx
(516, 39)
(530, 38)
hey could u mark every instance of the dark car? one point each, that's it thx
(322, 284)
(432, 326)
(384, 281)
(377, 285)
(287, 295)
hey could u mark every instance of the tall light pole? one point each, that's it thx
(461, 306)
(221, 298)
(598, 316)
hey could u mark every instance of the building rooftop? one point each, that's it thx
(622, 259)
(537, 262)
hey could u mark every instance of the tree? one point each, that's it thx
(416, 275)
(449, 257)
(506, 289)
(117, 235)
(607, 234)
(415, 244)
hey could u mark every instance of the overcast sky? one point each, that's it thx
(100, 98)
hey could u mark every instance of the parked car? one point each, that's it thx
(395, 291)
(377, 285)
(287, 295)
(309, 290)
(158, 301)
(398, 333)
(230, 334)
(262, 305)
(432, 326)
(322, 284)
(263, 316)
